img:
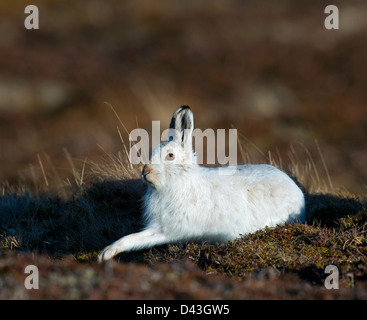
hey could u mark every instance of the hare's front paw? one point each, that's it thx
(107, 253)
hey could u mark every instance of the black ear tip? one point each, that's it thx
(176, 113)
(182, 109)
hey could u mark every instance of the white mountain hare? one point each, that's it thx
(185, 201)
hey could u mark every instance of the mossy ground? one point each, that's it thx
(301, 249)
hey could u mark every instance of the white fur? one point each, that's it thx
(185, 201)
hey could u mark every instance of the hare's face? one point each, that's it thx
(168, 160)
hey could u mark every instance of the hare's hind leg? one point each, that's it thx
(144, 239)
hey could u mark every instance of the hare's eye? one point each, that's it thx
(170, 156)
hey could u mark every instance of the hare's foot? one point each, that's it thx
(108, 253)
(144, 239)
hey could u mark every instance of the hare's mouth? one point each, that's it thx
(145, 178)
(150, 175)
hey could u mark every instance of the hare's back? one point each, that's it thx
(248, 173)
(271, 178)
(263, 183)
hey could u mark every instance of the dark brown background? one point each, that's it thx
(269, 68)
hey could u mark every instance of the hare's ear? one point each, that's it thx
(182, 125)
